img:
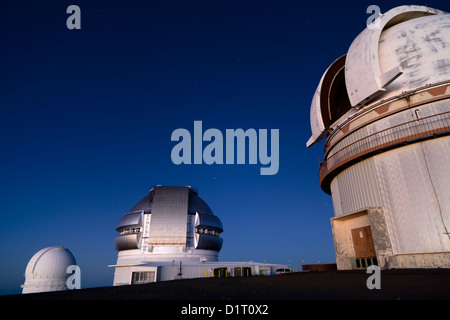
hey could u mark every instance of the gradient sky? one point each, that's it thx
(86, 118)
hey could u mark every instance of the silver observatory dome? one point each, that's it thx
(170, 223)
(195, 203)
(171, 233)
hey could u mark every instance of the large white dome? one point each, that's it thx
(47, 270)
(409, 51)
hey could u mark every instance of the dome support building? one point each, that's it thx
(384, 112)
(172, 233)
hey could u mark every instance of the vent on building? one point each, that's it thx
(364, 263)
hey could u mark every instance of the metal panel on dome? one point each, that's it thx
(318, 129)
(208, 242)
(196, 204)
(319, 113)
(145, 204)
(130, 219)
(423, 62)
(169, 216)
(363, 75)
(208, 220)
(128, 241)
(47, 270)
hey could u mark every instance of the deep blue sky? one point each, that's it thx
(86, 118)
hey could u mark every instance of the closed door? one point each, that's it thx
(363, 242)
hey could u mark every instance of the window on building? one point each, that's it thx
(143, 277)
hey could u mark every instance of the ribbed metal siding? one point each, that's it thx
(357, 188)
(336, 197)
(209, 221)
(209, 242)
(169, 216)
(437, 153)
(128, 241)
(415, 192)
(130, 219)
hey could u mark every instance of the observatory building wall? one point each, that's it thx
(384, 111)
(409, 184)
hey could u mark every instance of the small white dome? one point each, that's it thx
(47, 270)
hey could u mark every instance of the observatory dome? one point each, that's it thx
(384, 109)
(405, 50)
(196, 204)
(47, 270)
(171, 233)
(170, 223)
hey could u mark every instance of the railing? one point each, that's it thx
(408, 131)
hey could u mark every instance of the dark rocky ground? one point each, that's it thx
(320, 294)
(324, 285)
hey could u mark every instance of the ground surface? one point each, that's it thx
(324, 285)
